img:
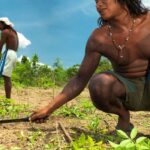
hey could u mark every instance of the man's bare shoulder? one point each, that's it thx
(145, 18)
(148, 14)
(99, 32)
(5, 32)
(97, 37)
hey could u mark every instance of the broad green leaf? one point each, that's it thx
(144, 147)
(125, 142)
(90, 141)
(100, 143)
(82, 138)
(140, 139)
(75, 146)
(133, 133)
(122, 134)
(114, 145)
(131, 146)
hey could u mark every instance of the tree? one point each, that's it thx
(57, 63)
(24, 59)
(35, 60)
(72, 71)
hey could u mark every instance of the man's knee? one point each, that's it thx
(100, 83)
(104, 88)
(106, 84)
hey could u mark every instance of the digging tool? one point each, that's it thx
(26, 119)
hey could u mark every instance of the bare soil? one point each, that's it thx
(21, 134)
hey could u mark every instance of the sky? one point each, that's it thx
(53, 28)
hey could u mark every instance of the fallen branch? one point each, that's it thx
(68, 137)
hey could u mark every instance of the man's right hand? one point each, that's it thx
(40, 115)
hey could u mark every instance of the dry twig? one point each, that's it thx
(68, 137)
(58, 136)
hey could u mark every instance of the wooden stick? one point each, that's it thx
(26, 119)
(57, 132)
(68, 137)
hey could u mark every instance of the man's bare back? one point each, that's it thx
(10, 38)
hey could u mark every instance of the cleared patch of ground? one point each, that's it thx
(49, 135)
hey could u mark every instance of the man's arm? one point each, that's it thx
(76, 84)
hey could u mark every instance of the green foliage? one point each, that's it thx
(32, 73)
(104, 65)
(87, 143)
(60, 76)
(34, 136)
(87, 106)
(80, 111)
(35, 60)
(24, 60)
(49, 146)
(9, 108)
(130, 142)
(22, 74)
(94, 124)
(72, 71)
(70, 111)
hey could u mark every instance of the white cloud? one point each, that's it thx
(146, 2)
(23, 41)
(85, 7)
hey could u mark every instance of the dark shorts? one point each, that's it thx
(137, 92)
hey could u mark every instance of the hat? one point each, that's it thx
(6, 21)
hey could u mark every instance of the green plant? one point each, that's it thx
(87, 143)
(94, 124)
(21, 136)
(34, 137)
(82, 110)
(8, 107)
(87, 106)
(72, 111)
(130, 142)
(50, 146)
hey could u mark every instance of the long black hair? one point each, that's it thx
(135, 7)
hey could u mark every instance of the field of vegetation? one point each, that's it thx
(77, 125)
